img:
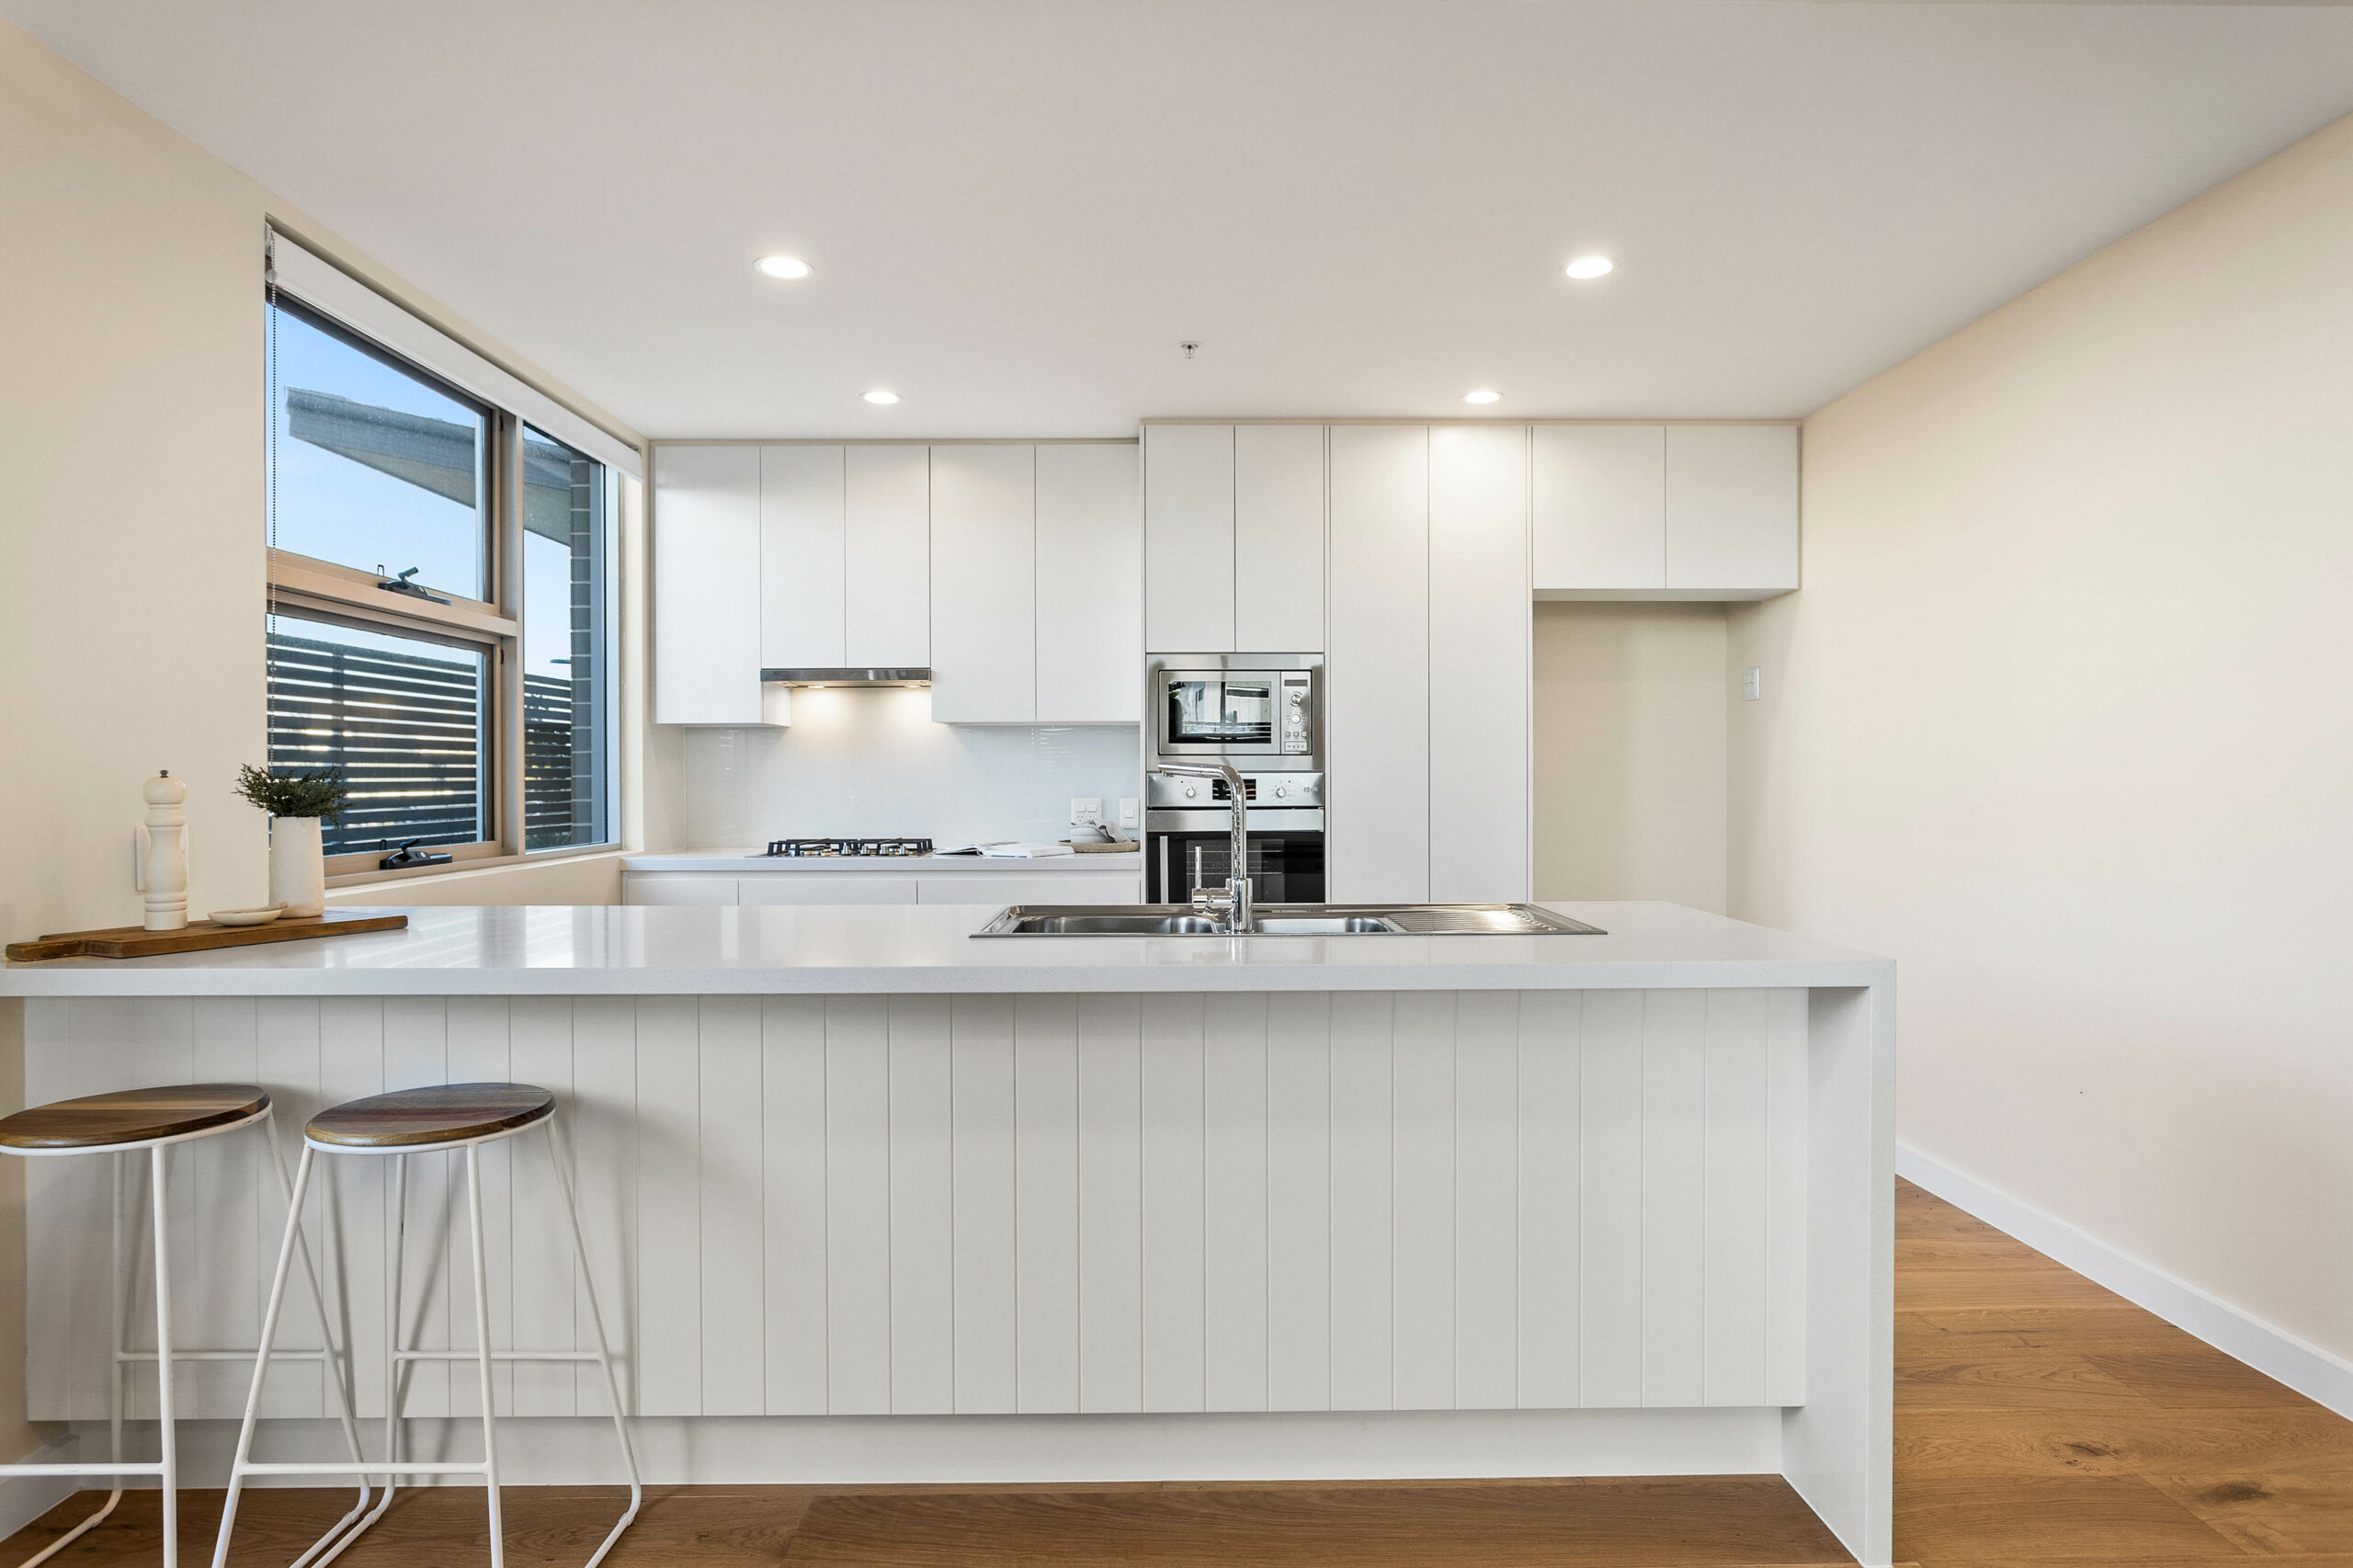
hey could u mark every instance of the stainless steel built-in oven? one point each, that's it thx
(1264, 713)
(1252, 710)
(1189, 837)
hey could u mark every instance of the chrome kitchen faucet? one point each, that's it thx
(1233, 906)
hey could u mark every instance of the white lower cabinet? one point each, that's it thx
(881, 886)
(802, 887)
(1067, 887)
(676, 887)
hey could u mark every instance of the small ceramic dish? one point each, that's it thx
(261, 917)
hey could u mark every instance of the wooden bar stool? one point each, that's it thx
(121, 1124)
(426, 1121)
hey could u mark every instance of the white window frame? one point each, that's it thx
(307, 586)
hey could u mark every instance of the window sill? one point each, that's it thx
(483, 863)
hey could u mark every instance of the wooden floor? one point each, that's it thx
(2038, 1421)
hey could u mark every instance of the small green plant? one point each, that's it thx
(318, 792)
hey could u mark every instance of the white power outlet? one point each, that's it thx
(1085, 810)
(1752, 683)
(1127, 811)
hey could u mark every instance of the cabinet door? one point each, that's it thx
(1480, 626)
(990, 888)
(1732, 508)
(1090, 585)
(1600, 507)
(706, 585)
(676, 887)
(805, 887)
(1279, 538)
(1189, 538)
(1378, 667)
(887, 556)
(984, 585)
(800, 557)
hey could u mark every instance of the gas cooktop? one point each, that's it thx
(799, 849)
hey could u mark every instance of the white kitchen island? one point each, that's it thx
(880, 1200)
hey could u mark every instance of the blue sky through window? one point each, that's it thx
(337, 508)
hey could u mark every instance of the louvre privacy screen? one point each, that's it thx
(403, 718)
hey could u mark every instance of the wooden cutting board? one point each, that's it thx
(137, 942)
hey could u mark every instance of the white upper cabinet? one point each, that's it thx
(1732, 509)
(984, 585)
(1090, 585)
(800, 557)
(1479, 630)
(706, 585)
(886, 567)
(1189, 538)
(1601, 506)
(1377, 670)
(1665, 511)
(1277, 539)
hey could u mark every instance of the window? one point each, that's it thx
(567, 723)
(440, 617)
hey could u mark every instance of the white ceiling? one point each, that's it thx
(1017, 208)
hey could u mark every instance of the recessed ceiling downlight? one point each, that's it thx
(1587, 268)
(782, 266)
(1482, 395)
(879, 395)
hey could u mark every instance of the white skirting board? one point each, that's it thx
(24, 1498)
(2304, 1367)
(995, 1450)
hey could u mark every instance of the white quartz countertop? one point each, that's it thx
(611, 950)
(738, 862)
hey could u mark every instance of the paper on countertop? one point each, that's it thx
(1010, 849)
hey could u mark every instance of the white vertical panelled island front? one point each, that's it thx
(883, 1201)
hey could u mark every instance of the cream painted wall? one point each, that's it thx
(2063, 720)
(130, 558)
(1630, 752)
(131, 532)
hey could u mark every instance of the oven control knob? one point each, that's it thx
(1280, 790)
(1191, 791)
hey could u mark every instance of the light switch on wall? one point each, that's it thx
(1085, 810)
(1752, 683)
(1127, 811)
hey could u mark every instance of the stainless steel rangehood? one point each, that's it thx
(846, 678)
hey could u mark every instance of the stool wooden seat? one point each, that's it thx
(132, 1116)
(445, 1113)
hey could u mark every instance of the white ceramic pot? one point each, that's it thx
(298, 865)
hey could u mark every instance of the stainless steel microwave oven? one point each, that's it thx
(1255, 709)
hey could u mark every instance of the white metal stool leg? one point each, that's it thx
(482, 1353)
(604, 1350)
(335, 1369)
(164, 1380)
(114, 1390)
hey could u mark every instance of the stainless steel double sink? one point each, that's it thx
(1288, 920)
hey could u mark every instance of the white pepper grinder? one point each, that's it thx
(162, 853)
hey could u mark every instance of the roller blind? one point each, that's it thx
(332, 292)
